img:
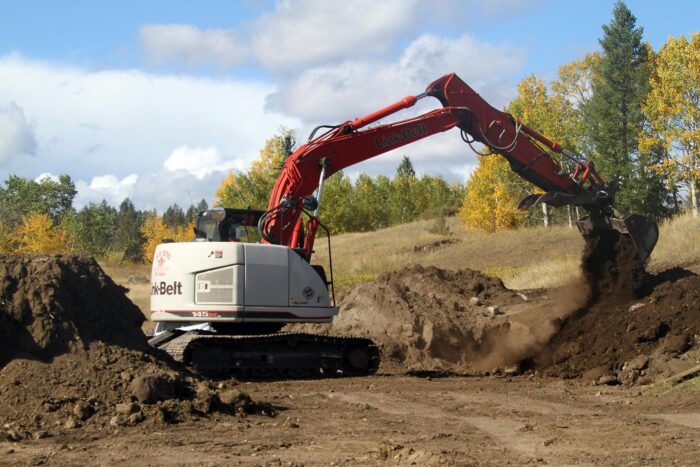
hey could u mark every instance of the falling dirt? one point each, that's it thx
(608, 335)
(611, 268)
(72, 354)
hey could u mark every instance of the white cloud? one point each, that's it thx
(150, 191)
(337, 93)
(187, 175)
(107, 187)
(17, 136)
(192, 46)
(122, 122)
(200, 162)
(46, 175)
(302, 33)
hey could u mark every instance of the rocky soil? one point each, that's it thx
(72, 354)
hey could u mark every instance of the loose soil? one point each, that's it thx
(399, 420)
(71, 351)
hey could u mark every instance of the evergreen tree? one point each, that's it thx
(405, 169)
(128, 237)
(614, 114)
(174, 217)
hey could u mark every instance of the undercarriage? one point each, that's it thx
(285, 355)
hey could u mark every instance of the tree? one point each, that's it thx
(673, 109)
(252, 189)
(402, 197)
(174, 216)
(555, 115)
(21, 196)
(127, 236)
(96, 227)
(154, 231)
(571, 91)
(193, 211)
(370, 208)
(38, 234)
(405, 169)
(491, 201)
(336, 210)
(614, 113)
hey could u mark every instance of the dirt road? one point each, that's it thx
(403, 420)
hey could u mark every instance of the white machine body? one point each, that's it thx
(213, 282)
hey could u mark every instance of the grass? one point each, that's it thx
(692, 384)
(679, 243)
(530, 257)
(511, 255)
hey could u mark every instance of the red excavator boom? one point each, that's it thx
(530, 154)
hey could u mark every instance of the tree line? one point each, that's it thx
(38, 216)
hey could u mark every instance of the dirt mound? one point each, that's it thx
(631, 340)
(426, 318)
(619, 323)
(72, 352)
(54, 304)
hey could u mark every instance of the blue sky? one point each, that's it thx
(159, 100)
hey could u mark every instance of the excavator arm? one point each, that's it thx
(561, 175)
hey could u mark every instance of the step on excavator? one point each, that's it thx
(220, 301)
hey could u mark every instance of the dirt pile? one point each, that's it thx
(72, 353)
(633, 324)
(619, 323)
(51, 305)
(426, 318)
(633, 341)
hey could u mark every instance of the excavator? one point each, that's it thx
(220, 301)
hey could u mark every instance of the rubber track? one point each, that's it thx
(274, 355)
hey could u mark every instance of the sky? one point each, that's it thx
(157, 101)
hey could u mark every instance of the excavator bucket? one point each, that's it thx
(644, 233)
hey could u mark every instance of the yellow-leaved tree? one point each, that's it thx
(38, 234)
(155, 231)
(493, 194)
(673, 110)
(252, 189)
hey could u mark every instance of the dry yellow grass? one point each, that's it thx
(531, 257)
(679, 244)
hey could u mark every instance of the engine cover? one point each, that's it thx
(236, 282)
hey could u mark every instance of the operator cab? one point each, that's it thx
(220, 224)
